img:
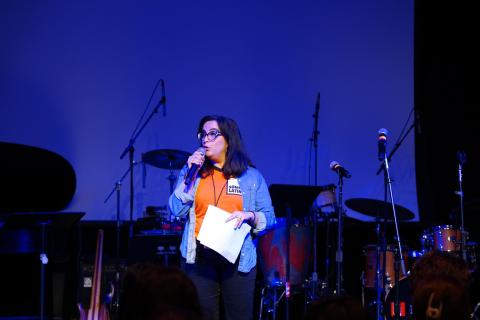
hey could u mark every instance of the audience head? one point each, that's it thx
(336, 308)
(154, 292)
(440, 297)
(439, 263)
(439, 283)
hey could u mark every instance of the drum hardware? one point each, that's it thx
(339, 253)
(271, 296)
(462, 159)
(324, 207)
(471, 249)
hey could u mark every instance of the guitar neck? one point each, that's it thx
(95, 306)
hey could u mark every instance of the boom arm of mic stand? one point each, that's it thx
(397, 145)
(132, 141)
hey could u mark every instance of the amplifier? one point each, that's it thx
(163, 248)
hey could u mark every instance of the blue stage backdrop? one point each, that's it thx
(77, 75)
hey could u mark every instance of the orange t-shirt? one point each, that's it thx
(216, 190)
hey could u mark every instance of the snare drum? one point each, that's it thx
(370, 252)
(442, 238)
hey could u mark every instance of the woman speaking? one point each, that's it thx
(226, 179)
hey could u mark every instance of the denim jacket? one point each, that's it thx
(255, 198)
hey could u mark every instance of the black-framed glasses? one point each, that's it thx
(210, 136)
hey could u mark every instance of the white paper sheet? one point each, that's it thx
(221, 236)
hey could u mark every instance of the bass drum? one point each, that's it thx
(405, 301)
(273, 253)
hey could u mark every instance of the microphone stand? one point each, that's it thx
(380, 273)
(116, 189)
(315, 133)
(380, 280)
(130, 150)
(287, 271)
(339, 253)
(462, 158)
(398, 253)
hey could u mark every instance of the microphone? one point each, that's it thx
(382, 143)
(193, 171)
(461, 157)
(335, 166)
(163, 99)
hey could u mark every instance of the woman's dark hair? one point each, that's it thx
(236, 160)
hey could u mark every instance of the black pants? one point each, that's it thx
(214, 275)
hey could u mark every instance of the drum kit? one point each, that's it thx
(157, 219)
(285, 252)
(287, 268)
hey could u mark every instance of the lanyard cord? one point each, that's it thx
(215, 199)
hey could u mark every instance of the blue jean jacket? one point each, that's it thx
(255, 198)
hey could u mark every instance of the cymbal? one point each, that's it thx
(166, 158)
(371, 207)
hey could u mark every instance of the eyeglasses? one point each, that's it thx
(210, 136)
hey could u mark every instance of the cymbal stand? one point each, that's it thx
(462, 159)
